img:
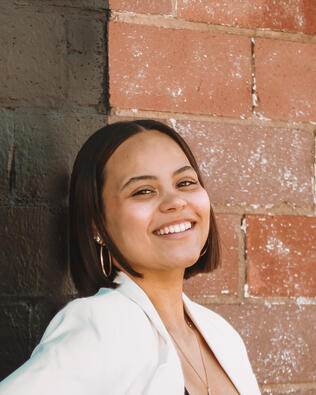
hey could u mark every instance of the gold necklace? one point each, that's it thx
(202, 359)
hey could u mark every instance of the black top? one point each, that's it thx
(186, 391)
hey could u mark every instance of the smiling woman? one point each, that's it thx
(140, 222)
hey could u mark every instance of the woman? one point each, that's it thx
(140, 222)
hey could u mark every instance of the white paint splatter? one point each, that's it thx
(243, 226)
(273, 244)
(246, 294)
(301, 300)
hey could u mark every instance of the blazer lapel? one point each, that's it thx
(224, 342)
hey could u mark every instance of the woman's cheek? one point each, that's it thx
(202, 202)
(137, 213)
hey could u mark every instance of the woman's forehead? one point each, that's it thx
(149, 151)
(146, 148)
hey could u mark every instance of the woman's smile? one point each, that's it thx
(175, 228)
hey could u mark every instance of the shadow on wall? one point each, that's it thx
(33, 254)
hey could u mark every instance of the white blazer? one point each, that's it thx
(115, 343)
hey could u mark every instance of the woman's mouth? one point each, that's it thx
(177, 228)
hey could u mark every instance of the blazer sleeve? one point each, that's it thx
(65, 358)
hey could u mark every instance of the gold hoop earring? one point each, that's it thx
(106, 275)
(203, 252)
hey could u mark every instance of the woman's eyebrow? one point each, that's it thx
(148, 177)
(137, 178)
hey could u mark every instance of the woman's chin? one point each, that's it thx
(184, 260)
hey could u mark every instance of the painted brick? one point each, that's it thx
(14, 331)
(286, 76)
(224, 280)
(288, 15)
(252, 164)
(6, 153)
(45, 153)
(280, 339)
(142, 6)
(179, 70)
(85, 4)
(85, 60)
(281, 255)
(34, 260)
(32, 60)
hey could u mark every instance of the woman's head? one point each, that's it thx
(137, 186)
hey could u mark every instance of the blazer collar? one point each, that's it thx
(207, 325)
(130, 289)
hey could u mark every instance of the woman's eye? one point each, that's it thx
(142, 192)
(187, 183)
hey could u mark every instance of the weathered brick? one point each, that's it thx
(179, 70)
(34, 254)
(281, 255)
(252, 164)
(14, 332)
(6, 153)
(286, 76)
(288, 15)
(86, 60)
(142, 6)
(280, 339)
(46, 146)
(32, 60)
(224, 280)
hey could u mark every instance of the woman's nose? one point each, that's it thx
(172, 202)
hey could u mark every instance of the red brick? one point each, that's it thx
(224, 280)
(252, 164)
(32, 61)
(142, 6)
(179, 70)
(286, 76)
(281, 255)
(288, 15)
(280, 339)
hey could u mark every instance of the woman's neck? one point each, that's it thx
(165, 292)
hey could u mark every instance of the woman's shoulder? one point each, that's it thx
(107, 310)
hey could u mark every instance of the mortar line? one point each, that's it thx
(168, 21)
(136, 113)
(254, 95)
(314, 172)
(250, 300)
(289, 386)
(243, 269)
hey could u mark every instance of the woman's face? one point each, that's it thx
(157, 213)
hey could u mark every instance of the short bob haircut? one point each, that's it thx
(86, 209)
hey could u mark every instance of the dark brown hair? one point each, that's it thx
(86, 208)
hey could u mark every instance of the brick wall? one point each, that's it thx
(52, 97)
(237, 80)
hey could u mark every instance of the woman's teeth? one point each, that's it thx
(174, 228)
